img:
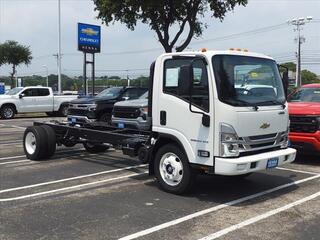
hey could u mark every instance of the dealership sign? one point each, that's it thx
(89, 38)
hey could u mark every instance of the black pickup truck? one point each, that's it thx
(99, 108)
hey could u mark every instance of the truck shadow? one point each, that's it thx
(221, 189)
(304, 159)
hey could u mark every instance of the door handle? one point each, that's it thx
(163, 118)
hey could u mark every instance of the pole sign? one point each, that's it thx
(2, 88)
(89, 38)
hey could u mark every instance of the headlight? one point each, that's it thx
(285, 141)
(229, 141)
(92, 107)
(144, 113)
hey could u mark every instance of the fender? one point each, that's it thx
(161, 140)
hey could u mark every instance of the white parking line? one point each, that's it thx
(12, 126)
(13, 162)
(57, 153)
(72, 178)
(13, 157)
(296, 170)
(259, 218)
(72, 187)
(213, 209)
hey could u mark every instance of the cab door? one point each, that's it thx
(175, 115)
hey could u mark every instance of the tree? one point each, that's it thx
(2, 56)
(290, 65)
(309, 77)
(15, 54)
(163, 17)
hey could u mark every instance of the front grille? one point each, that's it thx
(260, 142)
(126, 112)
(303, 124)
(77, 112)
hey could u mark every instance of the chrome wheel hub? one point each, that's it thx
(171, 169)
(30, 143)
(8, 112)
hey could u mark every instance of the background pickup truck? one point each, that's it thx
(33, 100)
(304, 111)
(99, 108)
(132, 114)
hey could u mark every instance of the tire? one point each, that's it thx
(143, 155)
(7, 112)
(63, 110)
(95, 148)
(35, 143)
(106, 117)
(172, 162)
(51, 143)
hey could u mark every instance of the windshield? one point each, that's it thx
(14, 91)
(248, 81)
(306, 95)
(110, 93)
(145, 95)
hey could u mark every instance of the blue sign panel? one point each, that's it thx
(2, 88)
(89, 38)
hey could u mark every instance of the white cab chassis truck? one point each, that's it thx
(33, 100)
(213, 112)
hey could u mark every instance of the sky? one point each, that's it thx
(34, 23)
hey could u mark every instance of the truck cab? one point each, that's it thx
(197, 106)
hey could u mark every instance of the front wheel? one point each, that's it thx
(172, 170)
(106, 117)
(7, 112)
(63, 111)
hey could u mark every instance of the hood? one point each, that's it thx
(304, 108)
(83, 101)
(5, 96)
(133, 103)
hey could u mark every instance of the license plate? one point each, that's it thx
(272, 162)
(72, 120)
(120, 125)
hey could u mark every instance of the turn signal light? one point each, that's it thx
(203, 50)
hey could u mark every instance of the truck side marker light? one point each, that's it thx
(202, 153)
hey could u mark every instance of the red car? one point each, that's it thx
(304, 110)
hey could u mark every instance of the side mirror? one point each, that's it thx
(21, 95)
(285, 79)
(185, 80)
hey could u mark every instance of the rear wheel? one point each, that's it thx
(51, 140)
(7, 112)
(35, 143)
(172, 170)
(95, 148)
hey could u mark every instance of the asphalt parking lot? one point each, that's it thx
(77, 195)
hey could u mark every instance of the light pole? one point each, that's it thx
(46, 67)
(298, 23)
(59, 47)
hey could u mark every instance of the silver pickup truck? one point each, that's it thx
(132, 114)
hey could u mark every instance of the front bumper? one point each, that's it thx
(138, 123)
(72, 119)
(305, 142)
(253, 163)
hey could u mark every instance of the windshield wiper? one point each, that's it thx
(240, 102)
(272, 102)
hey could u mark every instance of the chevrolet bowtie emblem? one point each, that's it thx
(265, 125)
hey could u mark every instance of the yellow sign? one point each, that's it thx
(254, 75)
(90, 32)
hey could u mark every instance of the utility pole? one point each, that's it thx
(59, 47)
(298, 23)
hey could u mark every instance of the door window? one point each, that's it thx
(43, 92)
(200, 89)
(31, 92)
